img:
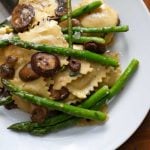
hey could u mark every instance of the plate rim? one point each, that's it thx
(123, 141)
(145, 8)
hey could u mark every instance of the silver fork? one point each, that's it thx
(7, 7)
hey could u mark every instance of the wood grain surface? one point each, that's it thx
(147, 2)
(141, 139)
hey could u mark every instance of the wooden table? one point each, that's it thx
(141, 139)
(147, 2)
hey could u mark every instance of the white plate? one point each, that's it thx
(126, 112)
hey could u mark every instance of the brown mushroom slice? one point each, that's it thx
(39, 114)
(4, 92)
(7, 71)
(22, 16)
(11, 60)
(44, 64)
(119, 22)
(59, 94)
(10, 106)
(62, 8)
(27, 74)
(95, 47)
(75, 23)
(74, 65)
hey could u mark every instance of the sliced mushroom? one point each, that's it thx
(7, 71)
(59, 94)
(44, 64)
(62, 8)
(74, 65)
(95, 47)
(119, 22)
(11, 105)
(11, 60)
(4, 92)
(27, 74)
(22, 16)
(39, 114)
(76, 22)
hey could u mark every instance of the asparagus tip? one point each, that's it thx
(12, 127)
(136, 61)
(21, 127)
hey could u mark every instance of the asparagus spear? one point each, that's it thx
(54, 128)
(5, 100)
(66, 108)
(124, 78)
(4, 43)
(120, 83)
(49, 103)
(91, 101)
(81, 54)
(84, 39)
(69, 23)
(111, 29)
(55, 122)
(83, 10)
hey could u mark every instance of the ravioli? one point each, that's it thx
(103, 16)
(63, 78)
(47, 32)
(43, 9)
(44, 31)
(86, 84)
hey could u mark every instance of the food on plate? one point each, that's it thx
(22, 17)
(55, 63)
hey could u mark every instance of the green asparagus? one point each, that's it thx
(124, 78)
(72, 110)
(84, 39)
(111, 29)
(4, 43)
(49, 103)
(120, 83)
(5, 100)
(54, 128)
(34, 127)
(81, 54)
(51, 123)
(83, 10)
(69, 23)
(91, 101)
